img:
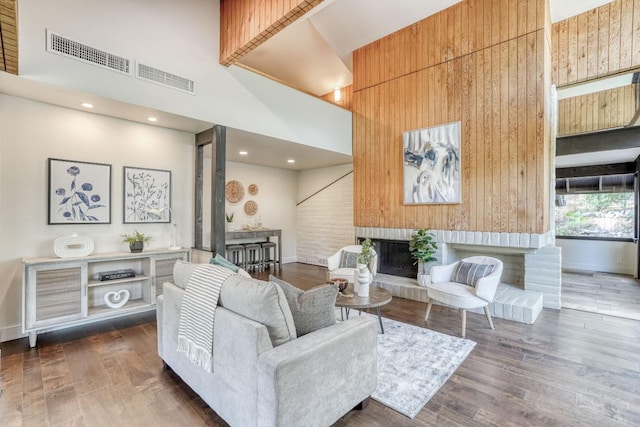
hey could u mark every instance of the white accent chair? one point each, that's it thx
(335, 271)
(460, 295)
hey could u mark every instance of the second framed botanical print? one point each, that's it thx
(144, 190)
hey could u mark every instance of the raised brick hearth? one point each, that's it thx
(531, 278)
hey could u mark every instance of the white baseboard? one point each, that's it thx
(629, 271)
(11, 333)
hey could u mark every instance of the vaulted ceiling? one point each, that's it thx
(313, 54)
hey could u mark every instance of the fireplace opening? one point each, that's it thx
(394, 258)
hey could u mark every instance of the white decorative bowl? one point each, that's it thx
(73, 246)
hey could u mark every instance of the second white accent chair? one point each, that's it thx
(468, 283)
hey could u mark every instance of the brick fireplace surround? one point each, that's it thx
(532, 267)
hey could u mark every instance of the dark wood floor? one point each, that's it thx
(570, 368)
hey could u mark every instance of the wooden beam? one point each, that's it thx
(246, 24)
(216, 137)
(218, 166)
(616, 139)
(9, 36)
(596, 170)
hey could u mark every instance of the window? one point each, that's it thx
(600, 215)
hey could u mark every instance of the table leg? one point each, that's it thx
(380, 319)
(347, 310)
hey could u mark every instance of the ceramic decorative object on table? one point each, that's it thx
(116, 299)
(363, 279)
(73, 246)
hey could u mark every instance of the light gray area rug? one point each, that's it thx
(413, 363)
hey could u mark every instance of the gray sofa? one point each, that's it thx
(312, 380)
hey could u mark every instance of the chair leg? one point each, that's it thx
(486, 311)
(464, 322)
(429, 305)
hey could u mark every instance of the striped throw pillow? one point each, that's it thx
(469, 273)
(349, 259)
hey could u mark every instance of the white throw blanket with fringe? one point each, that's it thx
(197, 313)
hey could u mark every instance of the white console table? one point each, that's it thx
(64, 292)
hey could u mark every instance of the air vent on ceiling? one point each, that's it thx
(76, 50)
(151, 74)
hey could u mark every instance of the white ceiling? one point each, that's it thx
(313, 55)
(315, 52)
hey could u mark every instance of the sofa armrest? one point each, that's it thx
(442, 273)
(319, 377)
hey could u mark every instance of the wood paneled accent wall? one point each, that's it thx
(246, 24)
(347, 97)
(485, 63)
(598, 43)
(8, 36)
(596, 111)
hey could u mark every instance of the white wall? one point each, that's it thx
(313, 180)
(276, 200)
(598, 255)
(325, 221)
(31, 132)
(180, 37)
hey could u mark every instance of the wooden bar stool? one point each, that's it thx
(267, 260)
(253, 256)
(236, 254)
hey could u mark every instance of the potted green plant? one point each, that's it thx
(366, 253)
(423, 249)
(136, 240)
(229, 218)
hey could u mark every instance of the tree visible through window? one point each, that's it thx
(595, 215)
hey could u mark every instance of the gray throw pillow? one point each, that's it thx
(469, 272)
(349, 259)
(313, 309)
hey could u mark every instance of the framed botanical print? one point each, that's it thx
(79, 192)
(147, 195)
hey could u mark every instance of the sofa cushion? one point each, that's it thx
(349, 259)
(469, 272)
(313, 309)
(182, 271)
(262, 302)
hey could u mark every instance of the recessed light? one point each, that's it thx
(152, 119)
(87, 105)
(243, 153)
(291, 161)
